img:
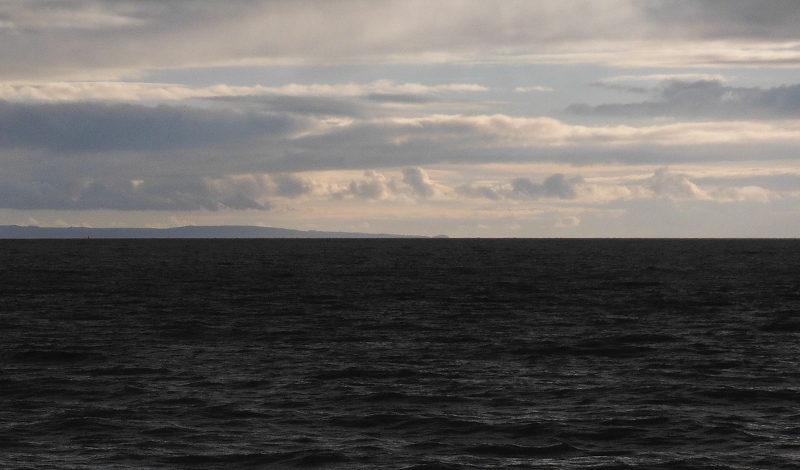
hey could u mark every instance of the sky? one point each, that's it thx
(468, 118)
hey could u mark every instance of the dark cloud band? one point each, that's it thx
(94, 127)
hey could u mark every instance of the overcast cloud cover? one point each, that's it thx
(463, 117)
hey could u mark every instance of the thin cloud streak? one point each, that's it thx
(141, 91)
(505, 131)
(707, 99)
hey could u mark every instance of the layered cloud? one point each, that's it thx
(234, 192)
(506, 131)
(706, 99)
(673, 185)
(464, 200)
(410, 184)
(68, 38)
(369, 111)
(302, 135)
(95, 127)
(139, 91)
(557, 186)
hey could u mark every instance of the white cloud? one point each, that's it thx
(668, 54)
(136, 91)
(570, 221)
(662, 183)
(506, 131)
(661, 77)
(746, 193)
(665, 183)
(534, 88)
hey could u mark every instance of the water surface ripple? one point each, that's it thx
(400, 354)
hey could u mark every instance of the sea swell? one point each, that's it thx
(424, 354)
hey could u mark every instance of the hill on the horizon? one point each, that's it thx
(191, 231)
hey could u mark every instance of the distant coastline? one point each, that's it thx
(191, 231)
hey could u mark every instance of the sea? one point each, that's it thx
(424, 354)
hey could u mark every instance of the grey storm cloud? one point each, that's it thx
(419, 181)
(115, 195)
(557, 186)
(706, 99)
(717, 19)
(92, 127)
(288, 185)
(164, 194)
(375, 186)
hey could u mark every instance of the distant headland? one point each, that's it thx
(190, 231)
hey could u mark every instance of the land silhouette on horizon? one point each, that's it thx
(189, 231)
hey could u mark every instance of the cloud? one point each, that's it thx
(186, 195)
(138, 91)
(707, 99)
(78, 15)
(95, 127)
(665, 77)
(557, 186)
(566, 222)
(501, 131)
(742, 194)
(476, 191)
(375, 186)
(606, 199)
(419, 181)
(787, 180)
(234, 192)
(398, 98)
(415, 182)
(674, 53)
(534, 88)
(729, 19)
(665, 183)
(91, 37)
(297, 106)
(291, 186)
(293, 134)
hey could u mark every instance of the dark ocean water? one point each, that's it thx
(400, 354)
